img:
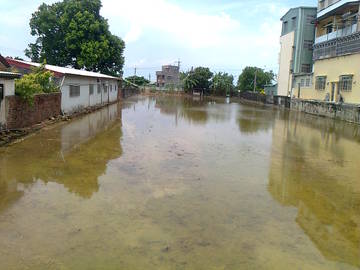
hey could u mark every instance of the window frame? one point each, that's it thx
(71, 89)
(91, 89)
(346, 82)
(320, 83)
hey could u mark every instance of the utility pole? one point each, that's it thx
(134, 75)
(255, 80)
(149, 77)
(179, 62)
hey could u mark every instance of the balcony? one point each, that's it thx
(337, 34)
(349, 44)
(329, 6)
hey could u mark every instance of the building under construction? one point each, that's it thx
(168, 77)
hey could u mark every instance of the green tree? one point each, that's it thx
(138, 80)
(222, 84)
(198, 79)
(247, 78)
(73, 32)
(37, 82)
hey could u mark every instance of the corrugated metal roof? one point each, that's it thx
(5, 74)
(67, 71)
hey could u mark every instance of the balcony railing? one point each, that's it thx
(349, 44)
(351, 29)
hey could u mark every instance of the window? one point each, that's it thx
(308, 82)
(74, 90)
(293, 22)
(308, 44)
(302, 82)
(310, 19)
(306, 68)
(329, 28)
(99, 89)
(105, 89)
(345, 82)
(91, 89)
(110, 87)
(285, 27)
(320, 83)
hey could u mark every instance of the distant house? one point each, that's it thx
(169, 76)
(79, 88)
(7, 86)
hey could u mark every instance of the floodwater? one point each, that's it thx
(173, 183)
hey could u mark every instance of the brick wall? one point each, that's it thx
(20, 114)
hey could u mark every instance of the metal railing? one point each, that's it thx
(349, 44)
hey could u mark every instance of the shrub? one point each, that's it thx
(37, 82)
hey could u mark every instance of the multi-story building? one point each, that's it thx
(169, 76)
(336, 53)
(297, 39)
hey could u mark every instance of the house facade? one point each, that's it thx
(169, 76)
(79, 88)
(336, 53)
(7, 87)
(297, 39)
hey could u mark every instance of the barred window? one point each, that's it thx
(74, 90)
(105, 89)
(308, 44)
(308, 82)
(99, 89)
(306, 68)
(345, 82)
(110, 87)
(320, 82)
(91, 89)
(302, 82)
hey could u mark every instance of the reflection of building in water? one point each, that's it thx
(314, 167)
(73, 155)
(253, 120)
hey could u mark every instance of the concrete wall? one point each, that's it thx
(73, 104)
(19, 114)
(286, 54)
(9, 90)
(345, 112)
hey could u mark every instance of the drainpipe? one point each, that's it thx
(61, 86)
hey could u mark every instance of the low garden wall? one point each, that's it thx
(253, 96)
(129, 91)
(20, 114)
(340, 111)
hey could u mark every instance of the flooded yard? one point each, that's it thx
(175, 183)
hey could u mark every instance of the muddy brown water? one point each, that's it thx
(175, 183)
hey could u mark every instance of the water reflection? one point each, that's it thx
(195, 110)
(314, 167)
(73, 155)
(254, 119)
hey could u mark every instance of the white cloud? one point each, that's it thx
(191, 29)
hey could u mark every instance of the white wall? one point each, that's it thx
(286, 54)
(71, 104)
(9, 90)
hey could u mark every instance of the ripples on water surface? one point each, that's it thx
(172, 183)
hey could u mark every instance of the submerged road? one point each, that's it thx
(179, 183)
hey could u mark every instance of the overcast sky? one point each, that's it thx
(225, 35)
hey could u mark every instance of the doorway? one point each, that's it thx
(333, 88)
(2, 94)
